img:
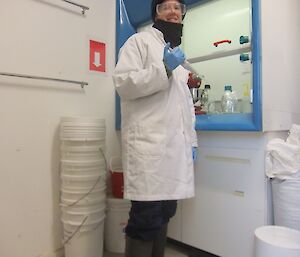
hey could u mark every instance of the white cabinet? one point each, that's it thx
(231, 195)
(229, 202)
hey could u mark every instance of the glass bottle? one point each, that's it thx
(205, 98)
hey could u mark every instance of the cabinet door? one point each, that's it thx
(229, 202)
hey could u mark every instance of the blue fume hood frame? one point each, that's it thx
(133, 13)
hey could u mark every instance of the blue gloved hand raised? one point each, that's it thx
(195, 153)
(173, 57)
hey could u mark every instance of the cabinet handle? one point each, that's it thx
(222, 42)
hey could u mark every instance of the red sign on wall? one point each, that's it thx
(97, 56)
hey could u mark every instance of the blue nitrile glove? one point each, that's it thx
(173, 57)
(195, 153)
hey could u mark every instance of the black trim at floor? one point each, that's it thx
(190, 250)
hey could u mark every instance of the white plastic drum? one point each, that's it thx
(276, 241)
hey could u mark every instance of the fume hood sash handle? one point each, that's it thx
(82, 83)
(84, 8)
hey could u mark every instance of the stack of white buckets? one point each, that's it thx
(83, 185)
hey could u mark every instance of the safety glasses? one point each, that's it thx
(170, 6)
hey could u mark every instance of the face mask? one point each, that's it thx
(172, 31)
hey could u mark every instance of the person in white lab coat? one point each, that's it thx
(158, 128)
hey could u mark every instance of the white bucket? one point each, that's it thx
(77, 216)
(83, 197)
(276, 241)
(83, 208)
(91, 167)
(115, 223)
(82, 164)
(88, 125)
(87, 242)
(82, 152)
(83, 181)
(81, 156)
(79, 168)
(80, 199)
(80, 172)
(81, 132)
(78, 144)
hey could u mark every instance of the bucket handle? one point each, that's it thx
(93, 187)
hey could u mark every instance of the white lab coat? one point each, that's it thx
(157, 122)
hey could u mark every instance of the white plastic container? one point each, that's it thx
(86, 242)
(115, 223)
(77, 216)
(80, 199)
(83, 197)
(286, 202)
(82, 164)
(81, 156)
(84, 208)
(80, 168)
(79, 172)
(82, 149)
(276, 241)
(79, 144)
(82, 181)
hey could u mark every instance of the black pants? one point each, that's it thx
(147, 218)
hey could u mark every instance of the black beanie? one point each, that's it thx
(155, 3)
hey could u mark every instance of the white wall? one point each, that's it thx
(280, 63)
(46, 38)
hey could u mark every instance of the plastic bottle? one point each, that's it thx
(229, 101)
(205, 98)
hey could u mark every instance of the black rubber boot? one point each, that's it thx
(159, 242)
(138, 248)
